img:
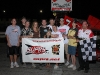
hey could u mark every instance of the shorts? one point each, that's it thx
(66, 48)
(71, 50)
(13, 50)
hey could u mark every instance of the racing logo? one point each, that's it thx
(35, 50)
(55, 49)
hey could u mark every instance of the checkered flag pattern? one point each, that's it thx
(88, 48)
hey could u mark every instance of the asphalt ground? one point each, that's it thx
(41, 70)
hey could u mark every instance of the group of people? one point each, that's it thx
(72, 36)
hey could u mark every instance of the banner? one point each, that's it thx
(43, 50)
(61, 5)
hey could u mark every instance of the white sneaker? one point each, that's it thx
(16, 64)
(33, 65)
(71, 66)
(12, 65)
(67, 63)
(56, 67)
(74, 67)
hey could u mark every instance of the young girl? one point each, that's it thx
(48, 35)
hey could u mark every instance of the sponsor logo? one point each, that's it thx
(35, 50)
(55, 49)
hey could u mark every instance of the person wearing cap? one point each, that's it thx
(72, 44)
(64, 31)
(83, 33)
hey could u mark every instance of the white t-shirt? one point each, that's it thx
(50, 26)
(57, 34)
(64, 30)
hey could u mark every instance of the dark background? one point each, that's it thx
(30, 9)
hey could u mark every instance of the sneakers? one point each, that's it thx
(67, 63)
(33, 65)
(11, 65)
(16, 64)
(56, 67)
(72, 66)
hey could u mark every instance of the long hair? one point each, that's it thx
(34, 24)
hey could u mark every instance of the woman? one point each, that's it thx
(35, 30)
(48, 35)
(56, 34)
(72, 44)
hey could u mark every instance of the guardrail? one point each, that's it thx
(2, 35)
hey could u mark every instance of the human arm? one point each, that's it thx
(7, 36)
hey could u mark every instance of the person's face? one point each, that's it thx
(35, 24)
(23, 20)
(84, 25)
(61, 22)
(74, 24)
(52, 22)
(44, 22)
(48, 33)
(27, 24)
(54, 28)
(13, 21)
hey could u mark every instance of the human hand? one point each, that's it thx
(9, 44)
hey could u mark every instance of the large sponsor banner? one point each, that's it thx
(43, 50)
(61, 5)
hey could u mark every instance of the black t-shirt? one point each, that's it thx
(43, 31)
(21, 26)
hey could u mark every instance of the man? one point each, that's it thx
(26, 32)
(56, 34)
(64, 31)
(52, 22)
(23, 20)
(83, 33)
(22, 25)
(44, 28)
(72, 44)
(13, 35)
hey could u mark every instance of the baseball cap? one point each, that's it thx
(61, 19)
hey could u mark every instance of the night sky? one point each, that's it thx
(30, 9)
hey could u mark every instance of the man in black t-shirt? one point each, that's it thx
(44, 28)
(23, 20)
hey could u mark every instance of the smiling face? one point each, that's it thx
(48, 33)
(23, 20)
(54, 28)
(27, 24)
(61, 22)
(84, 25)
(35, 24)
(44, 22)
(13, 21)
(52, 22)
(74, 25)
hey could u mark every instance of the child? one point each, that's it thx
(48, 35)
